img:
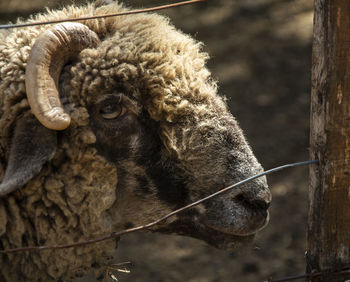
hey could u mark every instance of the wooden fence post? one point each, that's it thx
(329, 194)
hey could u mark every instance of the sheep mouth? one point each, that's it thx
(249, 229)
(193, 227)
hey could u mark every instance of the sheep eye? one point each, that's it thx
(112, 111)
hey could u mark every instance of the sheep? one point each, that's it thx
(108, 124)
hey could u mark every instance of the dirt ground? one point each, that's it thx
(261, 55)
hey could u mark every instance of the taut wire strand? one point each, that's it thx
(130, 230)
(8, 26)
(311, 275)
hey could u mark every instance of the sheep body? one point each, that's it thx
(74, 196)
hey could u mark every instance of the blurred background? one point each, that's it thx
(261, 55)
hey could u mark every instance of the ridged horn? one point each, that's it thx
(50, 52)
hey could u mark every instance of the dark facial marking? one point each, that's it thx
(168, 179)
(116, 141)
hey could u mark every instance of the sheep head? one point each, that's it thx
(135, 96)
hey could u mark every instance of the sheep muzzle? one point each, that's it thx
(237, 216)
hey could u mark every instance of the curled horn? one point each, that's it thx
(50, 52)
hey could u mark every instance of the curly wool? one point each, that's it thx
(69, 201)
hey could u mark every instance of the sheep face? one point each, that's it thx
(148, 134)
(153, 180)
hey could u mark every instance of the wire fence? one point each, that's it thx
(237, 191)
(113, 235)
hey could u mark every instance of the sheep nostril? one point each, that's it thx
(257, 203)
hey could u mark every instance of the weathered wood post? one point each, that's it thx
(329, 194)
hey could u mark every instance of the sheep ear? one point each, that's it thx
(32, 145)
